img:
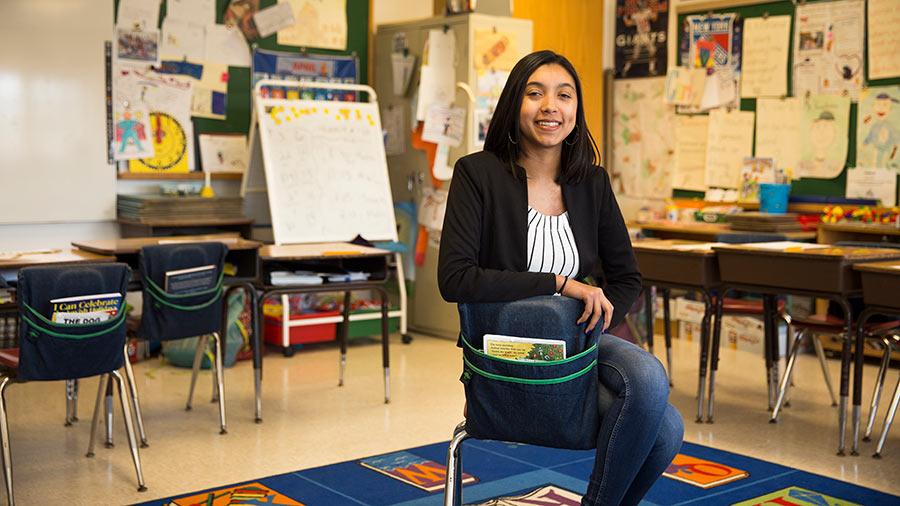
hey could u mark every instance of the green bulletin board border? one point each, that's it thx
(824, 187)
(237, 111)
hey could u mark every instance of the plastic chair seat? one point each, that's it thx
(749, 307)
(9, 357)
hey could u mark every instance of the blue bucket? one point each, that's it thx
(773, 198)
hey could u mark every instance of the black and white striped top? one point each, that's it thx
(551, 244)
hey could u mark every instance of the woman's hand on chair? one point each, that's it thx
(595, 302)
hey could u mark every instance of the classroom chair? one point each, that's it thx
(889, 344)
(51, 351)
(196, 311)
(517, 401)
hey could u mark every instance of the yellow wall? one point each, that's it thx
(573, 28)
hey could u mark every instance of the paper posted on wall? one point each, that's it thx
(525, 349)
(85, 309)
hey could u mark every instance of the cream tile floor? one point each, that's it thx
(309, 421)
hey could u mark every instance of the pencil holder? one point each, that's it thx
(548, 403)
(773, 198)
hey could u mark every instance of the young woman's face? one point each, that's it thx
(549, 106)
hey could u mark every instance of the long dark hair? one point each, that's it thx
(579, 151)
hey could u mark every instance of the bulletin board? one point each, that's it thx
(237, 115)
(824, 187)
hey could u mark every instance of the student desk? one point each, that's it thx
(685, 265)
(13, 261)
(329, 256)
(696, 231)
(881, 293)
(242, 253)
(800, 269)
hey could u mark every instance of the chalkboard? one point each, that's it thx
(826, 187)
(325, 167)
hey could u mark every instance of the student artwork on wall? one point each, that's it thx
(131, 138)
(137, 47)
(495, 50)
(488, 86)
(883, 39)
(824, 131)
(764, 71)
(828, 48)
(223, 152)
(168, 98)
(240, 13)
(753, 172)
(878, 128)
(729, 141)
(210, 86)
(643, 147)
(319, 23)
(714, 42)
(691, 132)
(641, 36)
(778, 126)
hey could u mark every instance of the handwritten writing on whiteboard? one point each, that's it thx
(326, 171)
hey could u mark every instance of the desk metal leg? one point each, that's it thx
(767, 348)
(704, 354)
(345, 330)
(714, 355)
(648, 316)
(845, 373)
(668, 333)
(385, 344)
(858, 375)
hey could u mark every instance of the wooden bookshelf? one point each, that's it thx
(190, 176)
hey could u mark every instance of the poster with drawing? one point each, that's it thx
(488, 86)
(131, 138)
(753, 172)
(319, 23)
(643, 144)
(878, 128)
(495, 49)
(823, 138)
(641, 36)
(711, 41)
(714, 42)
(828, 48)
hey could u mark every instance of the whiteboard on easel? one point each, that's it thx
(325, 167)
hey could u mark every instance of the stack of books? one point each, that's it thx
(163, 207)
(765, 222)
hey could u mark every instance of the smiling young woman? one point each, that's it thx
(534, 214)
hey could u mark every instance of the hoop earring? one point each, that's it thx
(509, 136)
(575, 141)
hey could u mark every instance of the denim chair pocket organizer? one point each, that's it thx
(547, 403)
(169, 316)
(53, 351)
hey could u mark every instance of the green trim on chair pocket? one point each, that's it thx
(525, 381)
(120, 314)
(118, 321)
(539, 362)
(157, 289)
(160, 295)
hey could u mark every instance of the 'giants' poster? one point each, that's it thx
(641, 37)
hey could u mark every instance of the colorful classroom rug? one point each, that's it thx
(504, 474)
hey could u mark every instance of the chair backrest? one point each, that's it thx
(550, 403)
(745, 237)
(182, 289)
(51, 349)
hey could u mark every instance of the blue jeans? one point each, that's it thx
(640, 432)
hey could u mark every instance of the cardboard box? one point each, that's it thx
(689, 331)
(689, 310)
(658, 307)
(749, 334)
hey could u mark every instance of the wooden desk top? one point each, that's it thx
(891, 267)
(861, 228)
(14, 260)
(710, 230)
(185, 222)
(806, 250)
(319, 251)
(134, 244)
(675, 246)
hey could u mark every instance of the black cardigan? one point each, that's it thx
(483, 242)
